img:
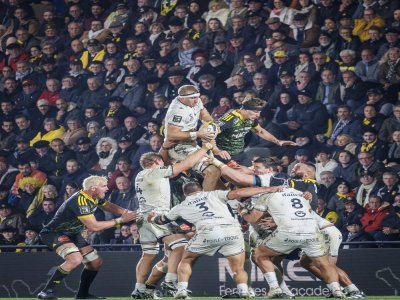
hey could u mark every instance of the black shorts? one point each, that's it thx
(55, 239)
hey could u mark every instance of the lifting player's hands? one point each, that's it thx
(267, 223)
(128, 216)
(205, 135)
(276, 189)
(307, 196)
(224, 154)
(286, 143)
(150, 217)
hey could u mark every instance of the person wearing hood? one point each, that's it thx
(106, 148)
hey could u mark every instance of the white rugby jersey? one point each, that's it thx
(204, 208)
(153, 189)
(291, 212)
(183, 116)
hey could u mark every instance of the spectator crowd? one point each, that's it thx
(85, 86)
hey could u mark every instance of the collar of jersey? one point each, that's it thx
(236, 113)
(88, 197)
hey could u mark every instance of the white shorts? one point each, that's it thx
(180, 151)
(152, 233)
(333, 239)
(224, 239)
(313, 245)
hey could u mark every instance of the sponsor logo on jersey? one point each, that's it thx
(300, 214)
(84, 209)
(176, 119)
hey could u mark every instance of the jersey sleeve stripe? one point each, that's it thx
(85, 216)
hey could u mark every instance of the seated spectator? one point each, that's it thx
(152, 128)
(25, 170)
(371, 118)
(389, 74)
(367, 67)
(131, 90)
(52, 91)
(75, 174)
(375, 211)
(47, 191)
(368, 187)
(9, 237)
(346, 168)
(31, 238)
(355, 233)
(153, 146)
(328, 92)
(125, 149)
(376, 98)
(344, 193)
(372, 144)
(368, 164)
(393, 158)
(59, 155)
(123, 238)
(301, 156)
(116, 109)
(352, 90)
(390, 188)
(7, 134)
(132, 129)
(51, 130)
(223, 106)
(74, 132)
(324, 162)
(352, 210)
(328, 187)
(370, 19)
(124, 195)
(86, 155)
(10, 218)
(111, 129)
(70, 189)
(345, 124)
(106, 148)
(390, 125)
(43, 215)
(28, 188)
(324, 212)
(135, 237)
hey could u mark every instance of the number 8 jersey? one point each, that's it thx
(291, 212)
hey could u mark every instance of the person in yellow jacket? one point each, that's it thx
(361, 26)
(94, 52)
(51, 131)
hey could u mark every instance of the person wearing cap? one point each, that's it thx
(303, 31)
(176, 30)
(198, 30)
(352, 210)
(116, 108)
(375, 97)
(149, 66)
(235, 124)
(14, 55)
(392, 40)
(10, 237)
(236, 49)
(131, 90)
(354, 233)
(86, 154)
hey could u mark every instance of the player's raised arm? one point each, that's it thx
(252, 191)
(235, 176)
(191, 160)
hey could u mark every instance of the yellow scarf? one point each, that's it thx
(366, 147)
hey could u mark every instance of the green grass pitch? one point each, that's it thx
(214, 298)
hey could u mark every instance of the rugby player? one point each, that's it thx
(63, 235)
(236, 123)
(181, 123)
(216, 231)
(154, 195)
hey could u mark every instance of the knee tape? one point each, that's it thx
(151, 249)
(178, 243)
(163, 268)
(68, 250)
(90, 256)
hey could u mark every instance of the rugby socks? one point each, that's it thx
(351, 288)
(247, 267)
(334, 286)
(242, 288)
(271, 279)
(87, 277)
(171, 277)
(183, 285)
(141, 287)
(55, 279)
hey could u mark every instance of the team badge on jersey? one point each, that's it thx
(84, 209)
(176, 119)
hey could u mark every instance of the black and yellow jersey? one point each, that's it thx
(233, 130)
(67, 218)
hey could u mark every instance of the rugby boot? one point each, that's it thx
(182, 294)
(252, 294)
(47, 295)
(277, 294)
(136, 294)
(338, 294)
(168, 289)
(356, 295)
(230, 296)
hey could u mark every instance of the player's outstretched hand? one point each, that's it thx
(276, 189)
(129, 215)
(286, 143)
(224, 155)
(205, 136)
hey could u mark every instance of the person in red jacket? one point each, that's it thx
(375, 211)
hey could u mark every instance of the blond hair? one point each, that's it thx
(148, 159)
(92, 181)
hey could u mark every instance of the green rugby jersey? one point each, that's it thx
(67, 218)
(233, 130)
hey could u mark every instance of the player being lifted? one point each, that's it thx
(63, 234)
(236, 123)
(153, 191)
(181, 136)
(216, 231)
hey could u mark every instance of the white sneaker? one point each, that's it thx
(182, 294)
(252, 293)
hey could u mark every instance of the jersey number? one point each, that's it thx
(296, 203)
(204, 208)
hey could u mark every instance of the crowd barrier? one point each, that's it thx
(375, 271)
